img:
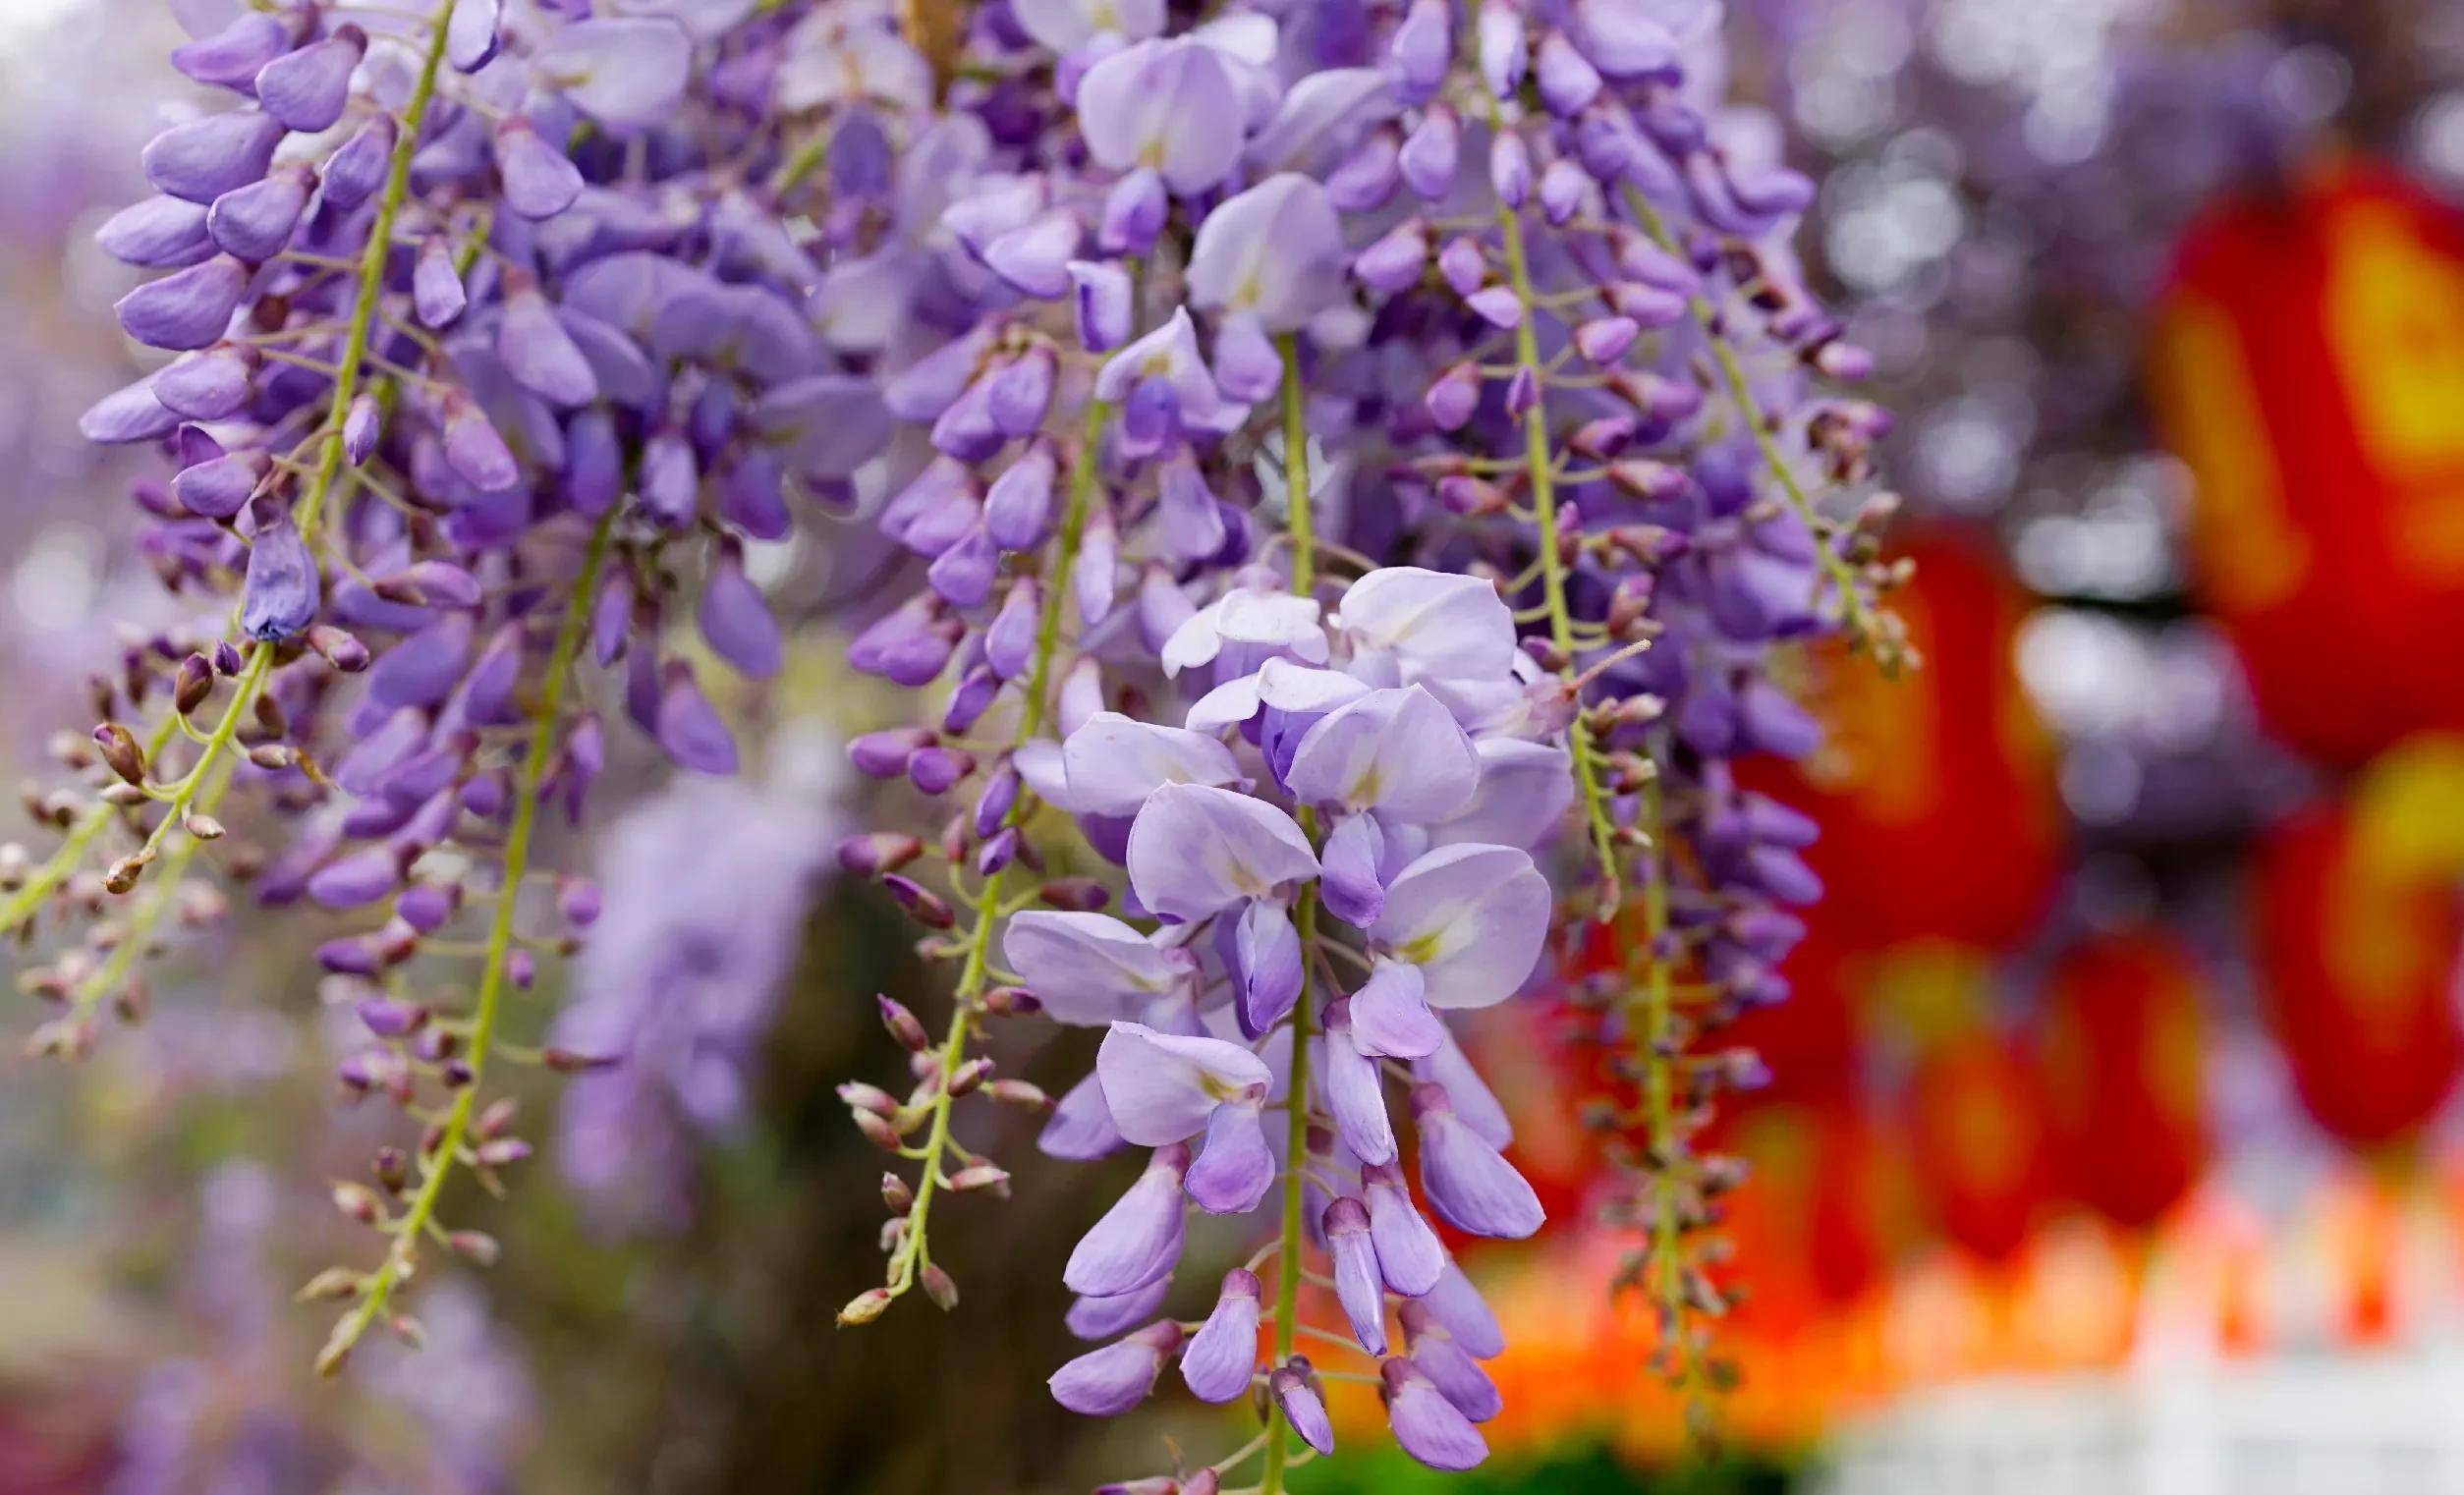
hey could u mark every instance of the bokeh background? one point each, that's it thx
(2112, 1141)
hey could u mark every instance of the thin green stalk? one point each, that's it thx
(1538, 459)
(437, 1165)
(1650, 1014)
(373, 259)
(913, 1253)
(1296, 495)
(1296, 1121)
(1855, 612)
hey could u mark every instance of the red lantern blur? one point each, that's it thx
(1976, 1139)
(2357, 963)
(1809, 1229)
(2308, 366)
(1934, 790)
(2120, 1051)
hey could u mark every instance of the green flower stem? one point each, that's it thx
(1540, 463)
(436, 1165)
(913, 1253)
(1650, 1012)
(1286, 1311)
(1855, 613)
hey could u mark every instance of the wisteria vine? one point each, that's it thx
(1355, 469)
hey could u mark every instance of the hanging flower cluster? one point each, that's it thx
(1414, 444)
(1338, 446)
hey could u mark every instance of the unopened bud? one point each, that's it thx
(1018, 1092)
(273, 756)
(941, 1288)
(864, 1097)
(896, 1194)
(204, 828)
(119, 751)
(981, 1176)
(191, 684)
(569, 1062)
(339, 649)
(969, 1077)
(498, 1152)
(877, 1130)
(864, 1307)
(332, 1283)
(474, 1246)
(903, 1026)
(359, 1202)
(882, 851)
(924, 906)
(497, 1117)
(1078, 895)
(1010, 1002)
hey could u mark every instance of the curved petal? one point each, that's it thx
(1398, 752)
(1196, 850)
(1471, 917)
(1161, 1088)
(1115, 762)
(1235, 1167)
(1432, 622)
(1087, 969)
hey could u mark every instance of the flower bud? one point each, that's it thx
(940, 1287)
(870, 855)
(923, 905)
(981, 1176)
(119, 751)
(897, 1195)
(864, 1307)
(359, 1202)
(903, 1026)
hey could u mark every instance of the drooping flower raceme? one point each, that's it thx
(1347, 481)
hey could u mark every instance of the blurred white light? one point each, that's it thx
(2439, 137)
(57, 576)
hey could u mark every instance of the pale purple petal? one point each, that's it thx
(1195, 851)
(1114, 762)
(1472, 917)
(1430, 622)
(1397, 753)
(620, 71)
(1139, 1238)
(1107, 1382)
(1081, 1128)
(1274, 251)
(1389, 1016)
(1222, 1356)
(1163, 1087)
(1266, 966)
(1355, 1094)
(1235, 1167)
(1430, 1428)
(1359, 1287)
(1465, 1181)
(1088, 969)
(1408, 1249)
(1105, 1317)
